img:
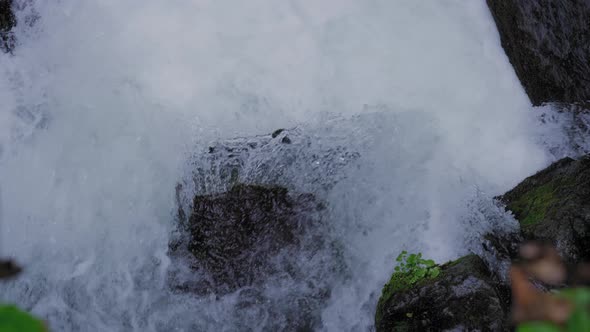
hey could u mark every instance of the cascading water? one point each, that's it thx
(105, 102)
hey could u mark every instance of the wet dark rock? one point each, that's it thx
(548, 44)
(503, 245)
(234, 235)
(463, 297)
(253, 238)
(277, 133)
(554, 206)
(7, 21)
(500, 248)
(9, 269)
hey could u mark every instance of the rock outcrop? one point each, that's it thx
(7, 21)
(464, 297)
(548, 44)
(252, 240)
(249, 230)
(554, 206)
(238, 236)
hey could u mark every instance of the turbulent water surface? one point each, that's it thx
(105, 105)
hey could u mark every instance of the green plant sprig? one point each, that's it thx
(415, 267)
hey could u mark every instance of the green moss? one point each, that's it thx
(533, 206)
(463, 259)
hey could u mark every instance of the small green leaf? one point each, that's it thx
(421, 273)
(397, 269)
(13, 319)
(579, 320)
(429, 263)
(400, 257)
(435, 272)
(537, 327)
(581, 296)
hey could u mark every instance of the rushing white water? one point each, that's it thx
(103, 102)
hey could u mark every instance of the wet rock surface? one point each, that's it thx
(236, 236)
(548, 44)
(249, 230)
(7, 21)
(465, 296)
(554, 206)
(254, 240)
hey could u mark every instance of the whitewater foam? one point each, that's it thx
(104, 102)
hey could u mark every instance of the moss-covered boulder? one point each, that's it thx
(464, 296)
(7, 21)
(548, 44)
(554, 206)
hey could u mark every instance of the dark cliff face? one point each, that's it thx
(548, 44)
(7, 21)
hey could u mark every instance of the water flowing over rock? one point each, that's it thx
(290, 158)
(548, 44)
(251, 237)
(554, 206)
(243, 233)
(464, 297)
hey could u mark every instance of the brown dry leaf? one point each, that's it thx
(543, 263)
(530, 304)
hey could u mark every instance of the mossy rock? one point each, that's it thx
(554, 206)
(464, 297)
